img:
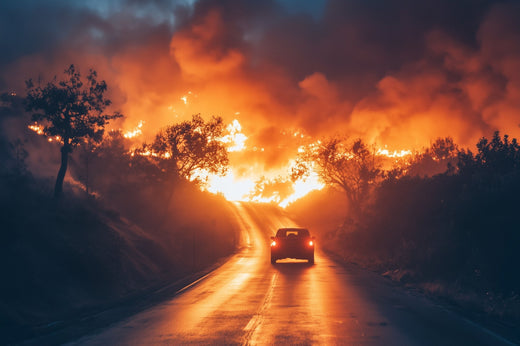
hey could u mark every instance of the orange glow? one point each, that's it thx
(39, 129)
(236, 187)
(151, 153)
(274, 105)
(184, 98)
(135, 132)
(36, 128)
(232, 188)
(242, 189)
(311, 243)
(393, 154)
(273, 243)
(235, 139)
(302, 187)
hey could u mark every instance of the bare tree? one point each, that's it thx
(71, 110)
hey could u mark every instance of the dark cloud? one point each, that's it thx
(37, 28)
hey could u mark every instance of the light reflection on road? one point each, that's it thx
(250, 301)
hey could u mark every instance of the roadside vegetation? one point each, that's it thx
(446, 220)
(118, 221)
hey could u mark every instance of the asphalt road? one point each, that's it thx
(249, 301)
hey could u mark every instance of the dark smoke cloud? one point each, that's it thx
(398, 72)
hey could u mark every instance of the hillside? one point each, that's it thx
(64, 259)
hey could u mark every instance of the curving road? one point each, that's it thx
(249, 301)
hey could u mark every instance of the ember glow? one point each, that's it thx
(235, 187)
(36, 128)
(137, 131)
(39, 129)
(302, 187)
(231, 187)
(243, 188)
(392, 154)
(184, 98)
(235, 139)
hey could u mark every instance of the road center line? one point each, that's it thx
(256, 320)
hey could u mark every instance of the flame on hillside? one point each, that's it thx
(231, 187)
(36, 128)
(246, 188)
(393, 154)
(40, 129)
(235, 139)
(137, 131)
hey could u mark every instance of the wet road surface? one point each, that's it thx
(249, 301)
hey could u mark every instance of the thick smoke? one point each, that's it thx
(397, 73)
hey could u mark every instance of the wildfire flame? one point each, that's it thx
(150, 153)
(395, 153)
(36, 128)
(185, 98)
(235, 139)
(233, 187)
(243, 189)
(302, 187)
(39, 129)
(135, 132)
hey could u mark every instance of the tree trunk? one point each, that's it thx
(58, 188)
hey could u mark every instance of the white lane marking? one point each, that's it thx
(256, 320)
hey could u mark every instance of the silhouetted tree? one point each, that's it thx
(496, 156)
(502, 154)
(457, 225)
(443, 148)
(71, 109)
(183, 149)
(347, 165)
(440, 157)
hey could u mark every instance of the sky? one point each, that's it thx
(395, 73)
